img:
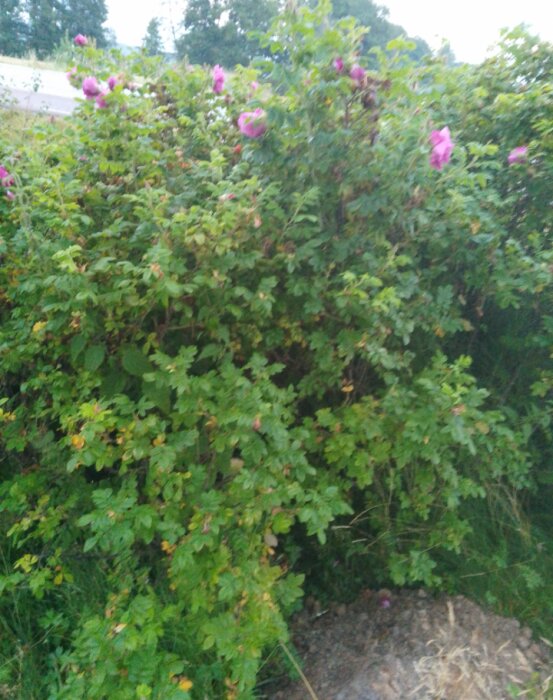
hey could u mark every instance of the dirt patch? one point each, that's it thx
(409, 645)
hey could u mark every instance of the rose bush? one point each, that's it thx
(227, 325)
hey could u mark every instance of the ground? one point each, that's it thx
(409, 644)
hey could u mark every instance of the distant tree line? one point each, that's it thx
(216, 31)
(40, 25)
(369, 14)
(212, 31)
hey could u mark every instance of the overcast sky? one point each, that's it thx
(469, 25)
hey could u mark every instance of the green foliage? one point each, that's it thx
(218, 31)
(227, 31)
(152, 42)
(381, 30)
(41, 26)
(12, 29)
(213, 349)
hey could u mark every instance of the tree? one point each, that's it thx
(13, 30)
(202, 32)
(85, 17)
(46, 26)
(216, 31)
(52, 20)
(152, 42)
(111, 38)
(374, 16)
(248, 16)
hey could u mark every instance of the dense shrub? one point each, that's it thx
(214, 346)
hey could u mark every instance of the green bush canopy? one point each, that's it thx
(238, 311)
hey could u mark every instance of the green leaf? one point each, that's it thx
(114, 382)
(94, 356)
(89, 544)
(76, 346)
(135, 362)
(159, 395)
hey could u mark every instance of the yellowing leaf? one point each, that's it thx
(236, 464)
(78, 441)
(270, 540)
(484, 428)
(38, 326)
(167, 547)
(26, 562)
(185, 684)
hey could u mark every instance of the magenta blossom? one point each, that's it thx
(357, 74)
(517, 155)
(73, 77)
(91, 88)
(218, 79)
(254, 85)
(6, 180)
(112, 82)
(101, 99)
(80, 40)
(442, 146)
(253, 124)
(338, 64)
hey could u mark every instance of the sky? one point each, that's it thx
(470, 26)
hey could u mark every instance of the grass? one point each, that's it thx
(33, 62)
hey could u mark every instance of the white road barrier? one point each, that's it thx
(37, 89)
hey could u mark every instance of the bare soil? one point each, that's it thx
(410, 645)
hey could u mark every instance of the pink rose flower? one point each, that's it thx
(254, 85)
(112, 82)
(218, 79)
(73, 77)
(357, 74)
(6, 180)
(101, 99)
(91, 88)
(80, 40)
(253, 124)
(517, 155)
(442, 146)
(338, 64)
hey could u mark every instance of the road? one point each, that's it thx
(37, 90)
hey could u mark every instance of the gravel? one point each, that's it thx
(410, 645)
